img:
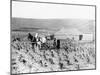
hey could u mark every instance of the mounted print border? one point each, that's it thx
(69, 38)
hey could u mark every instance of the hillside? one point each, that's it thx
(83, 25)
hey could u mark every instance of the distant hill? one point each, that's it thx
(24, 24)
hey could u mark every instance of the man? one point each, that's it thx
(54, 43)
(58, 44)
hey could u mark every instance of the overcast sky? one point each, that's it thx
(51, 11)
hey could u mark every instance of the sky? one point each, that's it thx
(53, 16)
(51, 11)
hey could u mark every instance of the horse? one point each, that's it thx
(41, 40)
(30, 37)
(37, 40)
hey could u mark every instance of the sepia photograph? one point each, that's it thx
(52, 37)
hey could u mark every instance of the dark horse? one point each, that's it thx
(32, 39)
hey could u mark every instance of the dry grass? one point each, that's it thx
(73, 55)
